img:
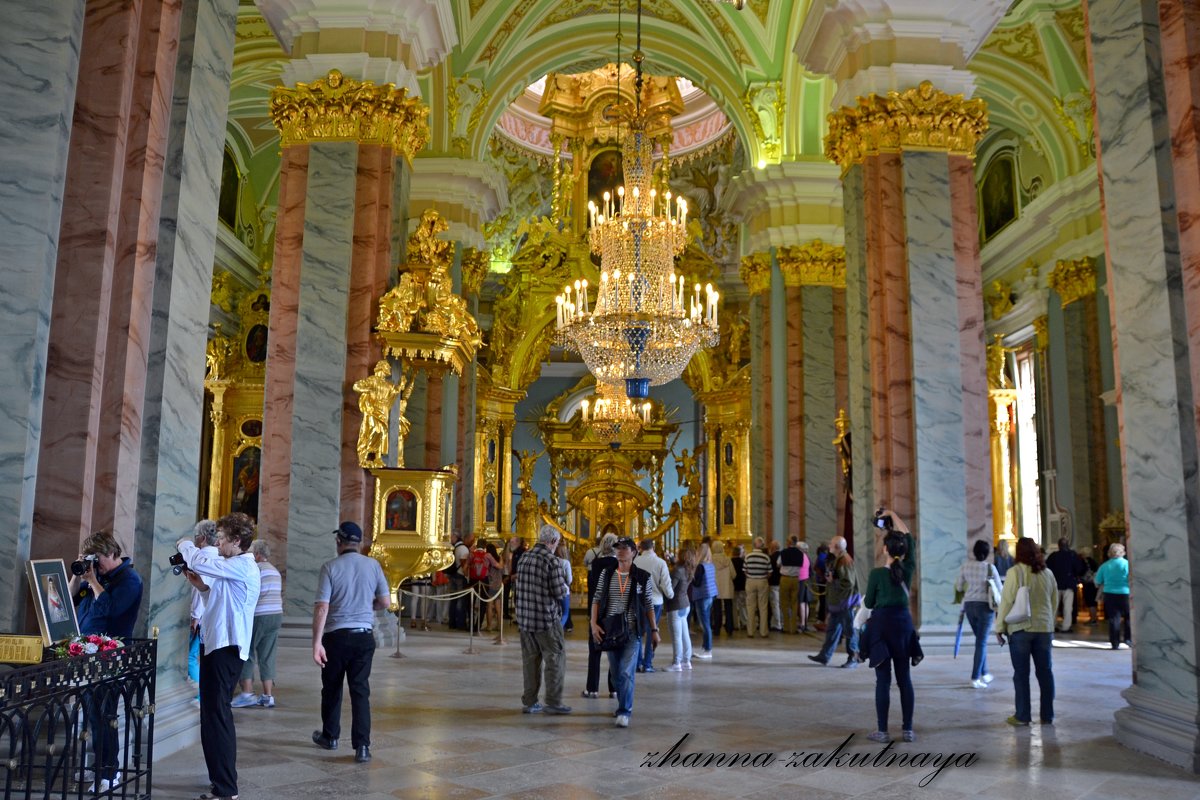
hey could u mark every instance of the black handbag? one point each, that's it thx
(616, 633)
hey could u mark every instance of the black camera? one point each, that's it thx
(178, 565)
(883, 521)
(81, 566)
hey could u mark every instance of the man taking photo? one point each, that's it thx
(230, 581)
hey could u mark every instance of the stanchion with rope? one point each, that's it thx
(399, 623)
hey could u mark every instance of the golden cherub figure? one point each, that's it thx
(376, 395)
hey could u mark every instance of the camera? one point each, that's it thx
(81, 566)
(178, 565)
(883, 521)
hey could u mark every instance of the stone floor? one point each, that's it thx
(448, 725)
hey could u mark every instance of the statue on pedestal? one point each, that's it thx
(376, 395)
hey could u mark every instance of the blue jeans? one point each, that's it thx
(647, 657)
(704, 612)
(622, 666)
(837, 624)
(1024, 645)
(979, 615)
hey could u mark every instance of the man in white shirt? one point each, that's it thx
(230, 581)
(660, 588)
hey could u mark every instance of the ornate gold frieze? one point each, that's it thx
(756, 272)
(815, 263)
(1073, 279)
(924, 118)
(341, 109)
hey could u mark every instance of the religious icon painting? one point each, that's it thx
(400, 511)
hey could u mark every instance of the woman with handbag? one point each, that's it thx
(622, 614)
(979, 584)
(677, 609)
(891, 639)
(1026, 614)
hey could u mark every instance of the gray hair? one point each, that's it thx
(838, 543)
(1116, 550)
(548, 535)
(759, 543)
(206, 532)
(608, 543)
(259, 547)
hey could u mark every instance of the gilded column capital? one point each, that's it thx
(756, 272)
(1073, 279)
(922, 118)
(815, 263)
(474, 266)
(1041, 327)
(342, 109)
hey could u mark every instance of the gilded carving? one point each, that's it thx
(1041, 326)
(756, 272)
(814, 263)
(765, 106)
(924, 118)
(376, 393)
(341, 109)
(217, 355)
(424, 300)
(999, 297)
(1073, 279)
(224, 290)
(1077, 114)
(474, 267)
(465, 104)
(997, 358)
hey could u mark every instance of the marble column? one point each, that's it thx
(335, 251)
(915, 313)
(795, 408)
(1145, 64)
(168, 471)
(96, 371)
(756, 272)
(42, 41)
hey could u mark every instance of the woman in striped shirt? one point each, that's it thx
(268, 616)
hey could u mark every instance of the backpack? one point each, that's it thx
(478, 565)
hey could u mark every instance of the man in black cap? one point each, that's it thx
(349, 592)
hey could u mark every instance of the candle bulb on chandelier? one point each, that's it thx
(607, 205)
(583, 295)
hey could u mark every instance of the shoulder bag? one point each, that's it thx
(1020, 608)
(994, 592)
(616, 633)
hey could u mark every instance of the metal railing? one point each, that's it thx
(57, 716)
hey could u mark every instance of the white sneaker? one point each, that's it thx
(704, 654)
(979, 684)
(267, 700)
(244, 700)
(986, 678)
(687, 665)
(674, 668)
(623, 721)
(102, 785)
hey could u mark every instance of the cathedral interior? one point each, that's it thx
(306, 260)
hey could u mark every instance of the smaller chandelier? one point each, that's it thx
(613, 417)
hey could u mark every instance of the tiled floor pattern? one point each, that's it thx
(448, 725)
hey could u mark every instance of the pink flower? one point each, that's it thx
(111, 644)
(75, 648)
(95, 639)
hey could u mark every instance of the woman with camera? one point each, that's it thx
(890, 640)
(1026, 614)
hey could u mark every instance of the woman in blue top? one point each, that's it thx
(704, 589)
(891, 638)
(1113, 579)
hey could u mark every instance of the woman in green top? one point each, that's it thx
(891, 640)
(1033, 635)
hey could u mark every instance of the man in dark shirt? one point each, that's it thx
(1067, 567)
(541, 586)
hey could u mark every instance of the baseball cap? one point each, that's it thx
(625, 541)
(349, 532)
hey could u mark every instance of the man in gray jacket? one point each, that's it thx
(660, 589)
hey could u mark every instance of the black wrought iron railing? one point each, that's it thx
(80, 727)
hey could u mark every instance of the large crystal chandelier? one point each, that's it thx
(612, 416)
(645, 325)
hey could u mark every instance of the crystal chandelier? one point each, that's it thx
(612, 416)
(645, 326)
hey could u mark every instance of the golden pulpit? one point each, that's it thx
(413, 513)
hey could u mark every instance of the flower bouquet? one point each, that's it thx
(86, 645)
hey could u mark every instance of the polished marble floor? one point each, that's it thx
(449, 725)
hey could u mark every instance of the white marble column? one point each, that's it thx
(40, 42)
(1144, 102)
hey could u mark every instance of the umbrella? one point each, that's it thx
(958, 633)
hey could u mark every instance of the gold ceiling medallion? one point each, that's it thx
(1073, 279)
(756, 272)
(813, 264)
(924, 118)
(341, 109)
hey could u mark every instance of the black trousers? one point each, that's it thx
(348, 657)
(593, 673)
(1116, 611)
(219, 673)
(101, 708)
(722, 612)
